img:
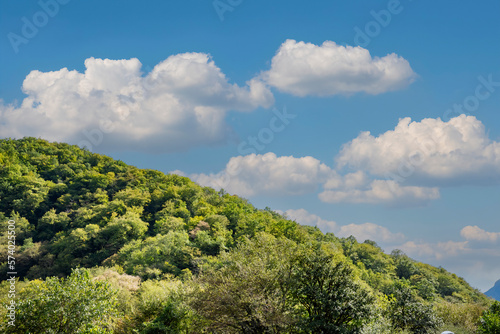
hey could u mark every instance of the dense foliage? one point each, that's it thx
(490, 321)
(72, 305)
(182, 258)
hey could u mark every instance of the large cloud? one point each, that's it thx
(403, 167)
(430, 152)
(268, 174)
(181, 103)
(306, 69)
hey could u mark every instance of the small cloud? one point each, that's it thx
(387, 192)
(302, 69)
(178, 172)
(475, 233)
(267, 174)
(370, 231)
(303, 217)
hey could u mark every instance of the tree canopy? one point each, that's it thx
(215, 262)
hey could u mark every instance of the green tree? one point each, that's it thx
(328, 294)
(405, 267)
(490, 321)
(162, 308)
(76, 304)
(245, 290)
(121, 230)
(406, 312)
(154, 256)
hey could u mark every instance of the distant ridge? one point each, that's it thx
(494, 292)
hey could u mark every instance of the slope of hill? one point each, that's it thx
(73, 208)
(494, 292)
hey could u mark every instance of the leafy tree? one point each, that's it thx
(447, 285)
(76, 304)
(154, 256)
(405, 267)
(162, 308)
(74, 208)
(245, 290)
(490, 321)
(168, 223)
(371, 256)
(133, 197)
(51, 223)
(326, 291)
(406, 312)
(122, 229)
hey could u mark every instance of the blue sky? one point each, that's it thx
(184, 86)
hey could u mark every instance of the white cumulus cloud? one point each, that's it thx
(304, 69)
(268, 174)
(475, 233)
(181, 103)
(430, 152)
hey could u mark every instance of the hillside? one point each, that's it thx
(73, 208)
(494, 292)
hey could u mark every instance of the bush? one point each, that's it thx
(406, 311)
(490, 321)
(460, 315)
(73, 305)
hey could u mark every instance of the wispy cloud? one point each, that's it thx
(474, 258)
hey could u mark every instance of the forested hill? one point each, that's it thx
(73, 208)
